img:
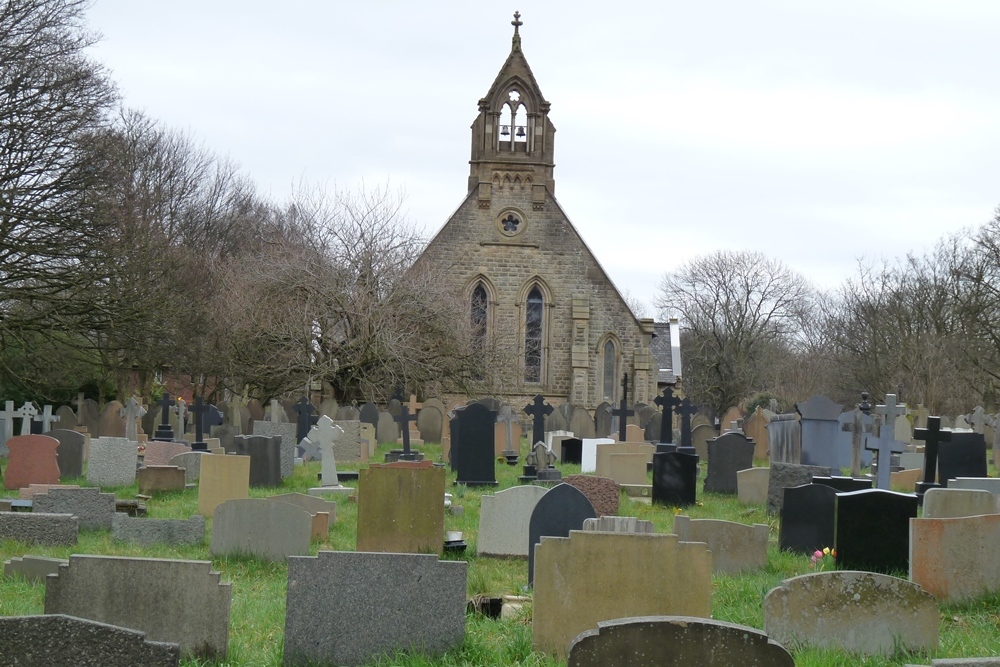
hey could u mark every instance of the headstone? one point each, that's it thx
(190, 462)
(556, 421)
(933, 435)
(540, 412)
(588, 461)
(328, 408)
(400, 508)
(604, 452)
(323, 512)
(562, 509)
(336, 610)
(32, 568)
(260, 528)
(883, 447)
(603, 493)
(843, 484)
(784, 475)
(991, 484)
(429, 423)
(504, 519)
(731, 416)
(160, 479)
(618, 524)
(132, 412)
(112, 462)
(26, 413)
(963, 456)
(570, 450)
(853, 612)
(652, 641)
(32, 490)
(872, 530)
(165, 431)
(675, 478)
(32, 460)
(727, 455)
(819, 431)
(700, 435)
(582, 424)
(755, 428)
(668, 403)
(602, 420)
(387, 430)
(735, 547)
(225, 434)
(580, 583)
(784, 439)
(159, 453)
(36, 528)
(473, 451)
(629, 469)
(275, 412)
(751, 485)
(955, 559)
(93, 508)
(347, 413)
(905, 480)
(147, 532)
(903, 430)
(179, 601)
(112, 424)
(265, 458)
(369, 413)
(91, 417)
(952, 503)
(223, 477)
(7, 416)
(69, 453)
(288, 442)
(29, 640)
(46, 419)
(808, 516)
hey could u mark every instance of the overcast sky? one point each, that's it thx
(813, 132)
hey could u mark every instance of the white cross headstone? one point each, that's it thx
(132, 412)
(7, 419)
(47, 418)
(180, 409)
(507, 418)
(885, 445)
(26, 412)
(276, 410)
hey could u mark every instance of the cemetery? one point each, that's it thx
(432, 548)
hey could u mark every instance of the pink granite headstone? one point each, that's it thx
(32, 460)
(159, 453)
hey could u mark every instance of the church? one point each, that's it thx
(512, 254)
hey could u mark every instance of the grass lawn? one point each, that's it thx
(258, 605)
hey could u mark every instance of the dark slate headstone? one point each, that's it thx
(807, 516)
(562, 509)
(727, 454)
(819, 431)
(675, 478)
(843, 484)
(369, 413)
(265, 458)
(872, 530)
(602, 420)
(473, 454)
(69, 451)
(571, 451)
(455, 429)
(784, 475)
(963, 456)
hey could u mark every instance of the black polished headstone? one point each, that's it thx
(675, 478)
(727, 454)
(963, 456)
(872, 530)
(369, 413)
(165, 432)
(69, 452)
(807, 516)
(563, 508)
(843, 484)
(571, 451)
(265, 458)
(474, 457)
(455, 429)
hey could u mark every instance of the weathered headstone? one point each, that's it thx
(819, 427)
(401, 508)
(38, 528)
(94, 509)
(700, 435)
(784, 475)
(618, 524)
(429, 423)
(504, 519)
(735, 547)
(562, 509)
(159, 479)
(751, 485)
(386, 430)
(191, 462)
(784, 439)
(146, 532)
(323, 512)
(952, 503)
(260, 528)
(369, 413)
(159, 453)
(955, 559)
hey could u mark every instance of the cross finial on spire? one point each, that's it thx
(517, 23)
(515, 41)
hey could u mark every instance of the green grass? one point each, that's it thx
(258, 604)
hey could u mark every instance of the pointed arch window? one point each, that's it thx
(480, 315)
(533, 314)
(609, 371)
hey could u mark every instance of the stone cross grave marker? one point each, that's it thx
(885, 446)
(26, 413)
(46, 418)
(686, 412)
(404, 418)
(858, 429)
(7, 416)
(538, 409)
(132, 412)
(932, 436)
(164, 432)
(305, 410)
(623, 412)
(889, 412)
(79, 402)
(978, 419)
(668, 402)
(275, 411)
(181, 410)
(236, 406)
(205, 417)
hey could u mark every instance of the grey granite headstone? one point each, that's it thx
(225, 433)
(112, 462)
(347, 447)
(145, 532)
(387, 430)
(430, 423)
(288, 442)
(179, 601)
(503, 521)
(191, 462)
(56, 640)
(261, 528)
(32, 568)
(337, 611)
(93, 508)
(819, 427)
(70, 452)
(38, 528)
(265, 454)
(784, 475)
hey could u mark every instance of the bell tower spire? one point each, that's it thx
(512, 138)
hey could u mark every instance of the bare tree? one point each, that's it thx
(737, 310)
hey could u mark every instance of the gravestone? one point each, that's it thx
(629, 469)
(31, 568)
(562, 509)
(225, 434)
(603, 493)
(147, 532)
(700, 435)
(588, 458)
(675, 478)
(853, 612)
(190, 462)
(37, 528)
(91, 417)
(158, 479)
(472, 451)
(323, 512)
(784, 475)
(69, 453)
(164, 431)
(872, 530)
(503, 521)
(963, 456)
(132, 412)
(347, 413)
(540, 411)
(653, 641)
(580, 582)
(429, 423)
(401, 508)
(336, 610)
(83, 643)
(32, 490)
(727, 455)
(808, 516)
(955, 559)
(179, 601)
(952, 503)
(265, 458)
(288, 442)
(387, 430)
(668, 403)
(571, 451)
(582, 424)
(618, 524)
(31, 460)
(784, 439)
(602, 420)
(555, 420)
(843, 484)
(369, 413)
(328, 408)
(751, 485)
(260, 528)
(93, 508)
(820, 427)
(735, 547)
(933, 435)
(755, 428)
(159, 453)
(223, 477)
(112, 424)
(882, 449)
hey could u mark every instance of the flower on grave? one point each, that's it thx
(823, 560)
(677, 510)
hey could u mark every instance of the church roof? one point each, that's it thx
(515, 68)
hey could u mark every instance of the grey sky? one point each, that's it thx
(814, 132)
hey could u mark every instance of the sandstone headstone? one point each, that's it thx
(32, 460)
(222, 478)
(604, 494)
(346, 413)
(579, 583)
(387, 430)
(855, 612)
(629, 469)
(401, 508)
(700, 435)
(735, 547)
(112, 462)
(755, 428)
(146, 532)
(582, 424)
(956, 559)
(504, 518)
(429, 423)
(93, 508)
(751, 485)
(260, 528)
(178, 601)
(157, 479)
(32, 490)
(906, 480)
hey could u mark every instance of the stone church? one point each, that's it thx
(512, 253)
